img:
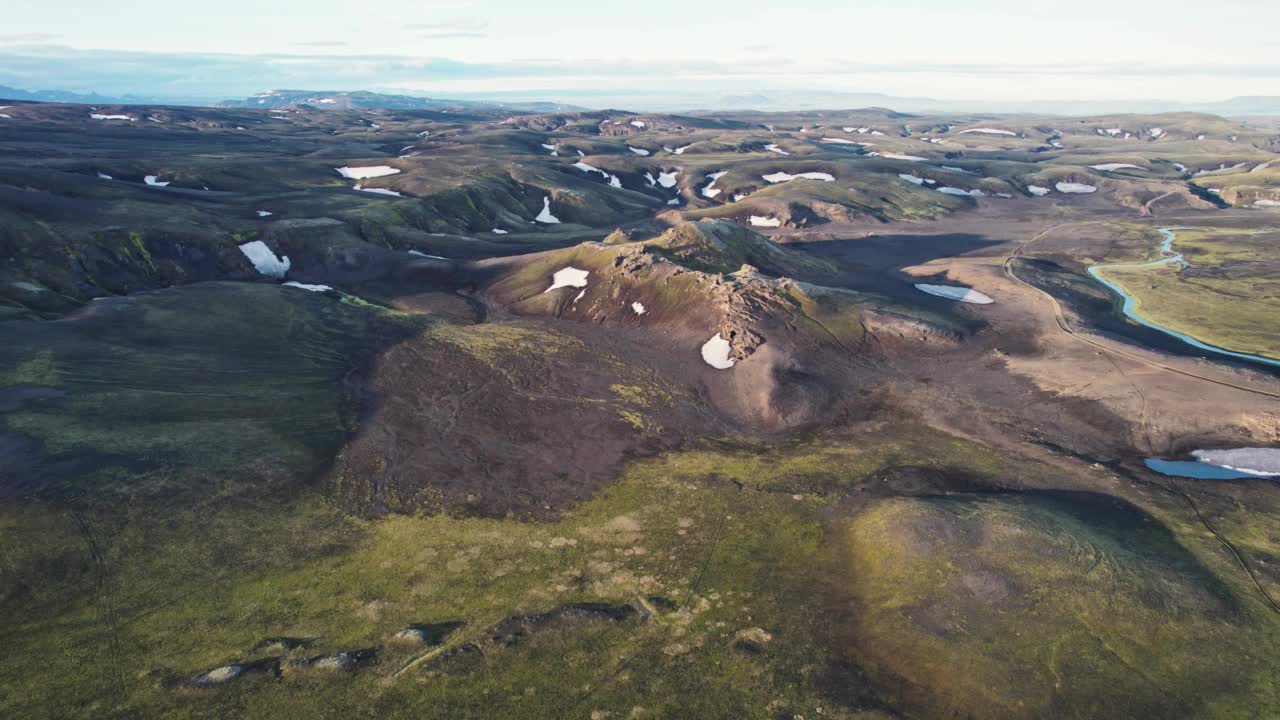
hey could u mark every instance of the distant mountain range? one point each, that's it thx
(282, 99)
(642, 100)
(359, 100)
(64, 96)
(790, 100)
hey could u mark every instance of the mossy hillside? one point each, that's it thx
(532, 275)
(1001, 606)
(1245, 187)
(201, 585)
(870, 188)
(209, 377)
(580, 198)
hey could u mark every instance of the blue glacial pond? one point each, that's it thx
(1166, 249)
(1196, 469)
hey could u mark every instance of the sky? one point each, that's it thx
(1182, 50)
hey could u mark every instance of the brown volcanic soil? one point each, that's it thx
(510, 418)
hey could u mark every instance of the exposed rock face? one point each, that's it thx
(895, 331)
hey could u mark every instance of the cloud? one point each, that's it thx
(209, 75)
(323, 43)
(452, 25)
(21, 38)
(451, 34)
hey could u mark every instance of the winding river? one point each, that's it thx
(1130, 303)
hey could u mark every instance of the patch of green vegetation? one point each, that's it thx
(1228, 297)
(641, 395)
(197, 381)
(823, 466)
(135, 239)
(640, 422)
(40, 369)
(1042, 604)
(201, 585)
(109, 604)
(488, 342)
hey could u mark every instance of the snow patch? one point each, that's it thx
(1112, 167)
(154, 181)
(775, 149)
(98, 116)
(372, 171)
(715, 352)
(1037, 190)
(988, 131)
(613, 179)
(668, 180)
(780, 177)
(710, 191)
(763, 221)
(913, 179)
(304, 286)
(377, 191)
(908, 158)
(264, 260)
(568, 277)
(1253, 460)
(1071, 187)
(545, 216)
(264, 213)
(104, 176)
(639, 151)
(500, 231)
(637, 308)
(957, 191)
(952, 292)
